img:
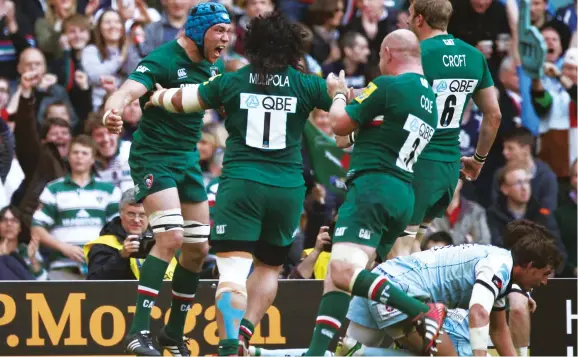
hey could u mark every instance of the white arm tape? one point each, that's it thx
(190, 99)
(482, 296)
(106, 116)
(479, 337)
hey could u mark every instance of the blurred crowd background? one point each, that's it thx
(60, 59)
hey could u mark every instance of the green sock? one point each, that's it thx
(228, 347)
(246, 329)
(184, 287)
(376, 287)
(332, 311)
(151, 279)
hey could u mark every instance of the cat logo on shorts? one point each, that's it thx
(148, 180)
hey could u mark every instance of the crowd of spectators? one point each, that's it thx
(62, 174)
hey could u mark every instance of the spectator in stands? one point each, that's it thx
(483, 24)
(7, 147)
(15, 37)
(135, 51)
(74, 38)
(230, 54)
(25, 254)
(109, 256)
(516, 203)
(355, 50)
(309, 64)
(465, 220)
(253, 8)
(567, 15)
(103, 60)
(133, 11)
(567, 218)
(206, 147)
(541, 18)
(42, 158)
(518, 147)
(315, 261)
(28, 12)
(374, 22)
(325, 18)
(551, 98)
(47, 30)
(321, 120)
(437, 239)
(112, 153)
(4, 97)
(44, 85)
(73, 209)
(131, 116)
(172, 21)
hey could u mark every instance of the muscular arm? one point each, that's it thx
(183, 100)
(487, 101)
(500, 334)
(519, 319)
(126, 94)
(342, 124)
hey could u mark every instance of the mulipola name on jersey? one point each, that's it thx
(277, 80)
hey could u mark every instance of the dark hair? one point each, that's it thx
(85, 141)
(348, 40)
(521, 228)
(272, 44)
(536, 246)
(439, 237)
(15, 212)
(50, 122)
(520, 135)
(93, 122)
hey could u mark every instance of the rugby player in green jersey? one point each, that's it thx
(164, 164)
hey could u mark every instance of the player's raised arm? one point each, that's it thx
(337, 89)
(177, 100)
(114, 106)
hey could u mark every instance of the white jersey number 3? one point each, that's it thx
(451, 96)
(267, 119)
(420, 133)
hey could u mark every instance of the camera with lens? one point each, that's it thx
(147, 242)
(327, 247)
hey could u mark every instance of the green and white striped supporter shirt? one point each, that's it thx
(74, 214)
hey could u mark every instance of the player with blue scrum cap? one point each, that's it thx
(165, 168)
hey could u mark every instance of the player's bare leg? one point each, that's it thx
(231, 298)
(163, 209)
(262, 289)
(347, 275)
(519, 321)
(185, 280)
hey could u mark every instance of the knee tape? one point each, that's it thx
(195, 232)
(233, 270)
(166, 220)
(349, 254)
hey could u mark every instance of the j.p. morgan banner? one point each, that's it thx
(91, 318)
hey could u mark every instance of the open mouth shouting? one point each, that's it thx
(219, 50)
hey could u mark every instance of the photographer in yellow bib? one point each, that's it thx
(124, 242)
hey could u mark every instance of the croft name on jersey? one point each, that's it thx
(454, 60)
(277, 80)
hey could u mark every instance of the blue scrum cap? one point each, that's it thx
(202, 17)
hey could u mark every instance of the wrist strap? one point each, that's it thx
(340, 95)
(480, 158)
(352, 137)
(105, 116)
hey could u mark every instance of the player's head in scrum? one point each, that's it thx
(273, 43)
(534, 252)
(208, 26)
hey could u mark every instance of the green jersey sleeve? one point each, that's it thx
(322, 100)
(149, 71)
(211, 90)
(369, 103)
(486, 80)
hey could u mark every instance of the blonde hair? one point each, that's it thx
(50, 14)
